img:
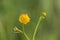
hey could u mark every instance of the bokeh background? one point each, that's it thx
(11, 9)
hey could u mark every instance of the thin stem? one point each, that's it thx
(23, 28)
(35, 31)
(25, 34)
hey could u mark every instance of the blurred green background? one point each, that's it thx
(11, 9)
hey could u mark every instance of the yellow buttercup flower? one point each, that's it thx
(24, 18)
(44, 14)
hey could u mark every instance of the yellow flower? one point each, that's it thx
(44, 14)
(24, 18)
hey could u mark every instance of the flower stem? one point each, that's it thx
(35, 31)
(25, 34)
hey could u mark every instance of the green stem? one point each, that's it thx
(35, 31)
(25, 34)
